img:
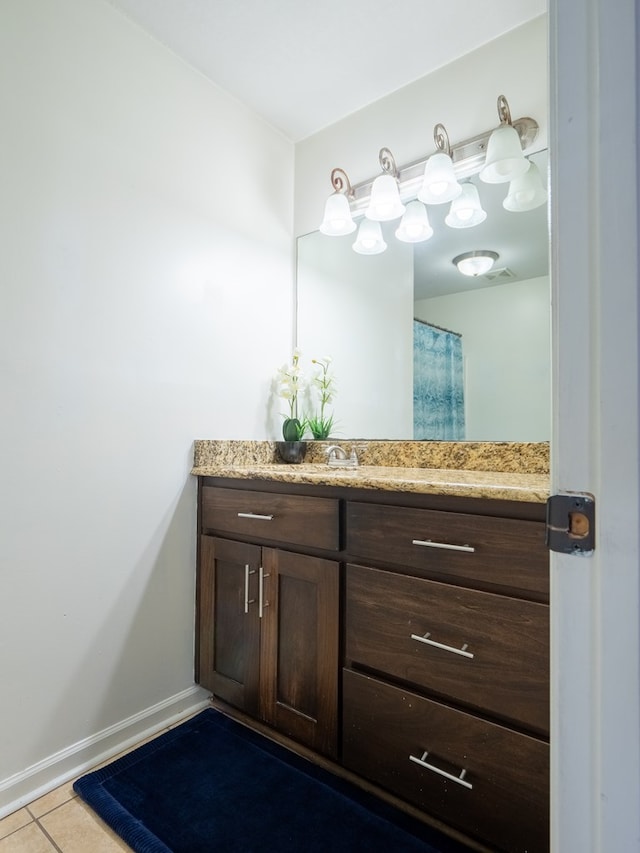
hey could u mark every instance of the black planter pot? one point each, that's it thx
(291, 451)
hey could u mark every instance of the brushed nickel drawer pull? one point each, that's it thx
(247, 601)
(427, 543)
(261, 602)
(255, 515)
(460, 780)
(425, 639)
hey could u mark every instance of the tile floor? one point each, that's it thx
(60, 822)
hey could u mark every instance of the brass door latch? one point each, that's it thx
(571, 523)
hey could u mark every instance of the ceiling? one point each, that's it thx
(304, 64)
(520, 239)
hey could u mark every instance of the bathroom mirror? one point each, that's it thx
(361, 311)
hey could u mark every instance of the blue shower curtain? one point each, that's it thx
(438, 392)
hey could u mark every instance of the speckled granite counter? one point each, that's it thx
(496, 470)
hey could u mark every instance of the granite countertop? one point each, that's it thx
(517, 471)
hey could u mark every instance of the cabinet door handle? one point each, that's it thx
(247, 600)
(460, 780)
(427, 543)
(261, 602)
(425, 639)
(255, 515)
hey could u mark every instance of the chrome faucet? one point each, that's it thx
(337, 457)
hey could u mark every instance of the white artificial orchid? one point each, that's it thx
(324, 384)
(289, 382)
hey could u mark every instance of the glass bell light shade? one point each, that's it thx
(414, 226)
(476, 263)
(526, 192)
(439, 184)
(384, 204)
(505, 158)
(369, 240)
(337, 216)
(466, 210)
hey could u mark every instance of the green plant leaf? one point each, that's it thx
(293, 429)
(320, 427)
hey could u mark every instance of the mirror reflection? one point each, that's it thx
(422, 351)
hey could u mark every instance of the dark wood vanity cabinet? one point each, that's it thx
(404, 636)
(268, 616)
(446, 677)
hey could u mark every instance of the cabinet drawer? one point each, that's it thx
(488, 651)
(502, 798)
(491, 552)
(293, 519)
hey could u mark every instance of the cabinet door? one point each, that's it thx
(229, 622)
(489, 651)
(485, 779)
(299, 658)
(303, 520)
(497, 554)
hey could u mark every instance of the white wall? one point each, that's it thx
(146, 295)
(359, 310)
(506, 357)
(461, 95)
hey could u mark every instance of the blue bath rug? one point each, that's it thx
(211, 784)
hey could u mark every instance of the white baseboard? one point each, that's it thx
(78, 758)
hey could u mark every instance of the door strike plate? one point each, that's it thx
(571, 524)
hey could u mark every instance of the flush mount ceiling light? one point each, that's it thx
(505, 158)
(385, 204)
(414, 226)
(476, 263)
(440, 184)
(369, 240)
(337, 213)
(526, 192)
(466, 210)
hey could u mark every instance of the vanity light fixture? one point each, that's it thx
(505, 158)
(466, 210)
(337, 213)
(526, 191)
(369, 240)
(476, 263)
(385, 204)
(498, 155)
(414, 226)
(440, 184)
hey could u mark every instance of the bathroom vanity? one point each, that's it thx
(393, 621)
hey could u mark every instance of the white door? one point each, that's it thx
(595, 600)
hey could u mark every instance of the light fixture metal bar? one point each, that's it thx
(468, 158)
